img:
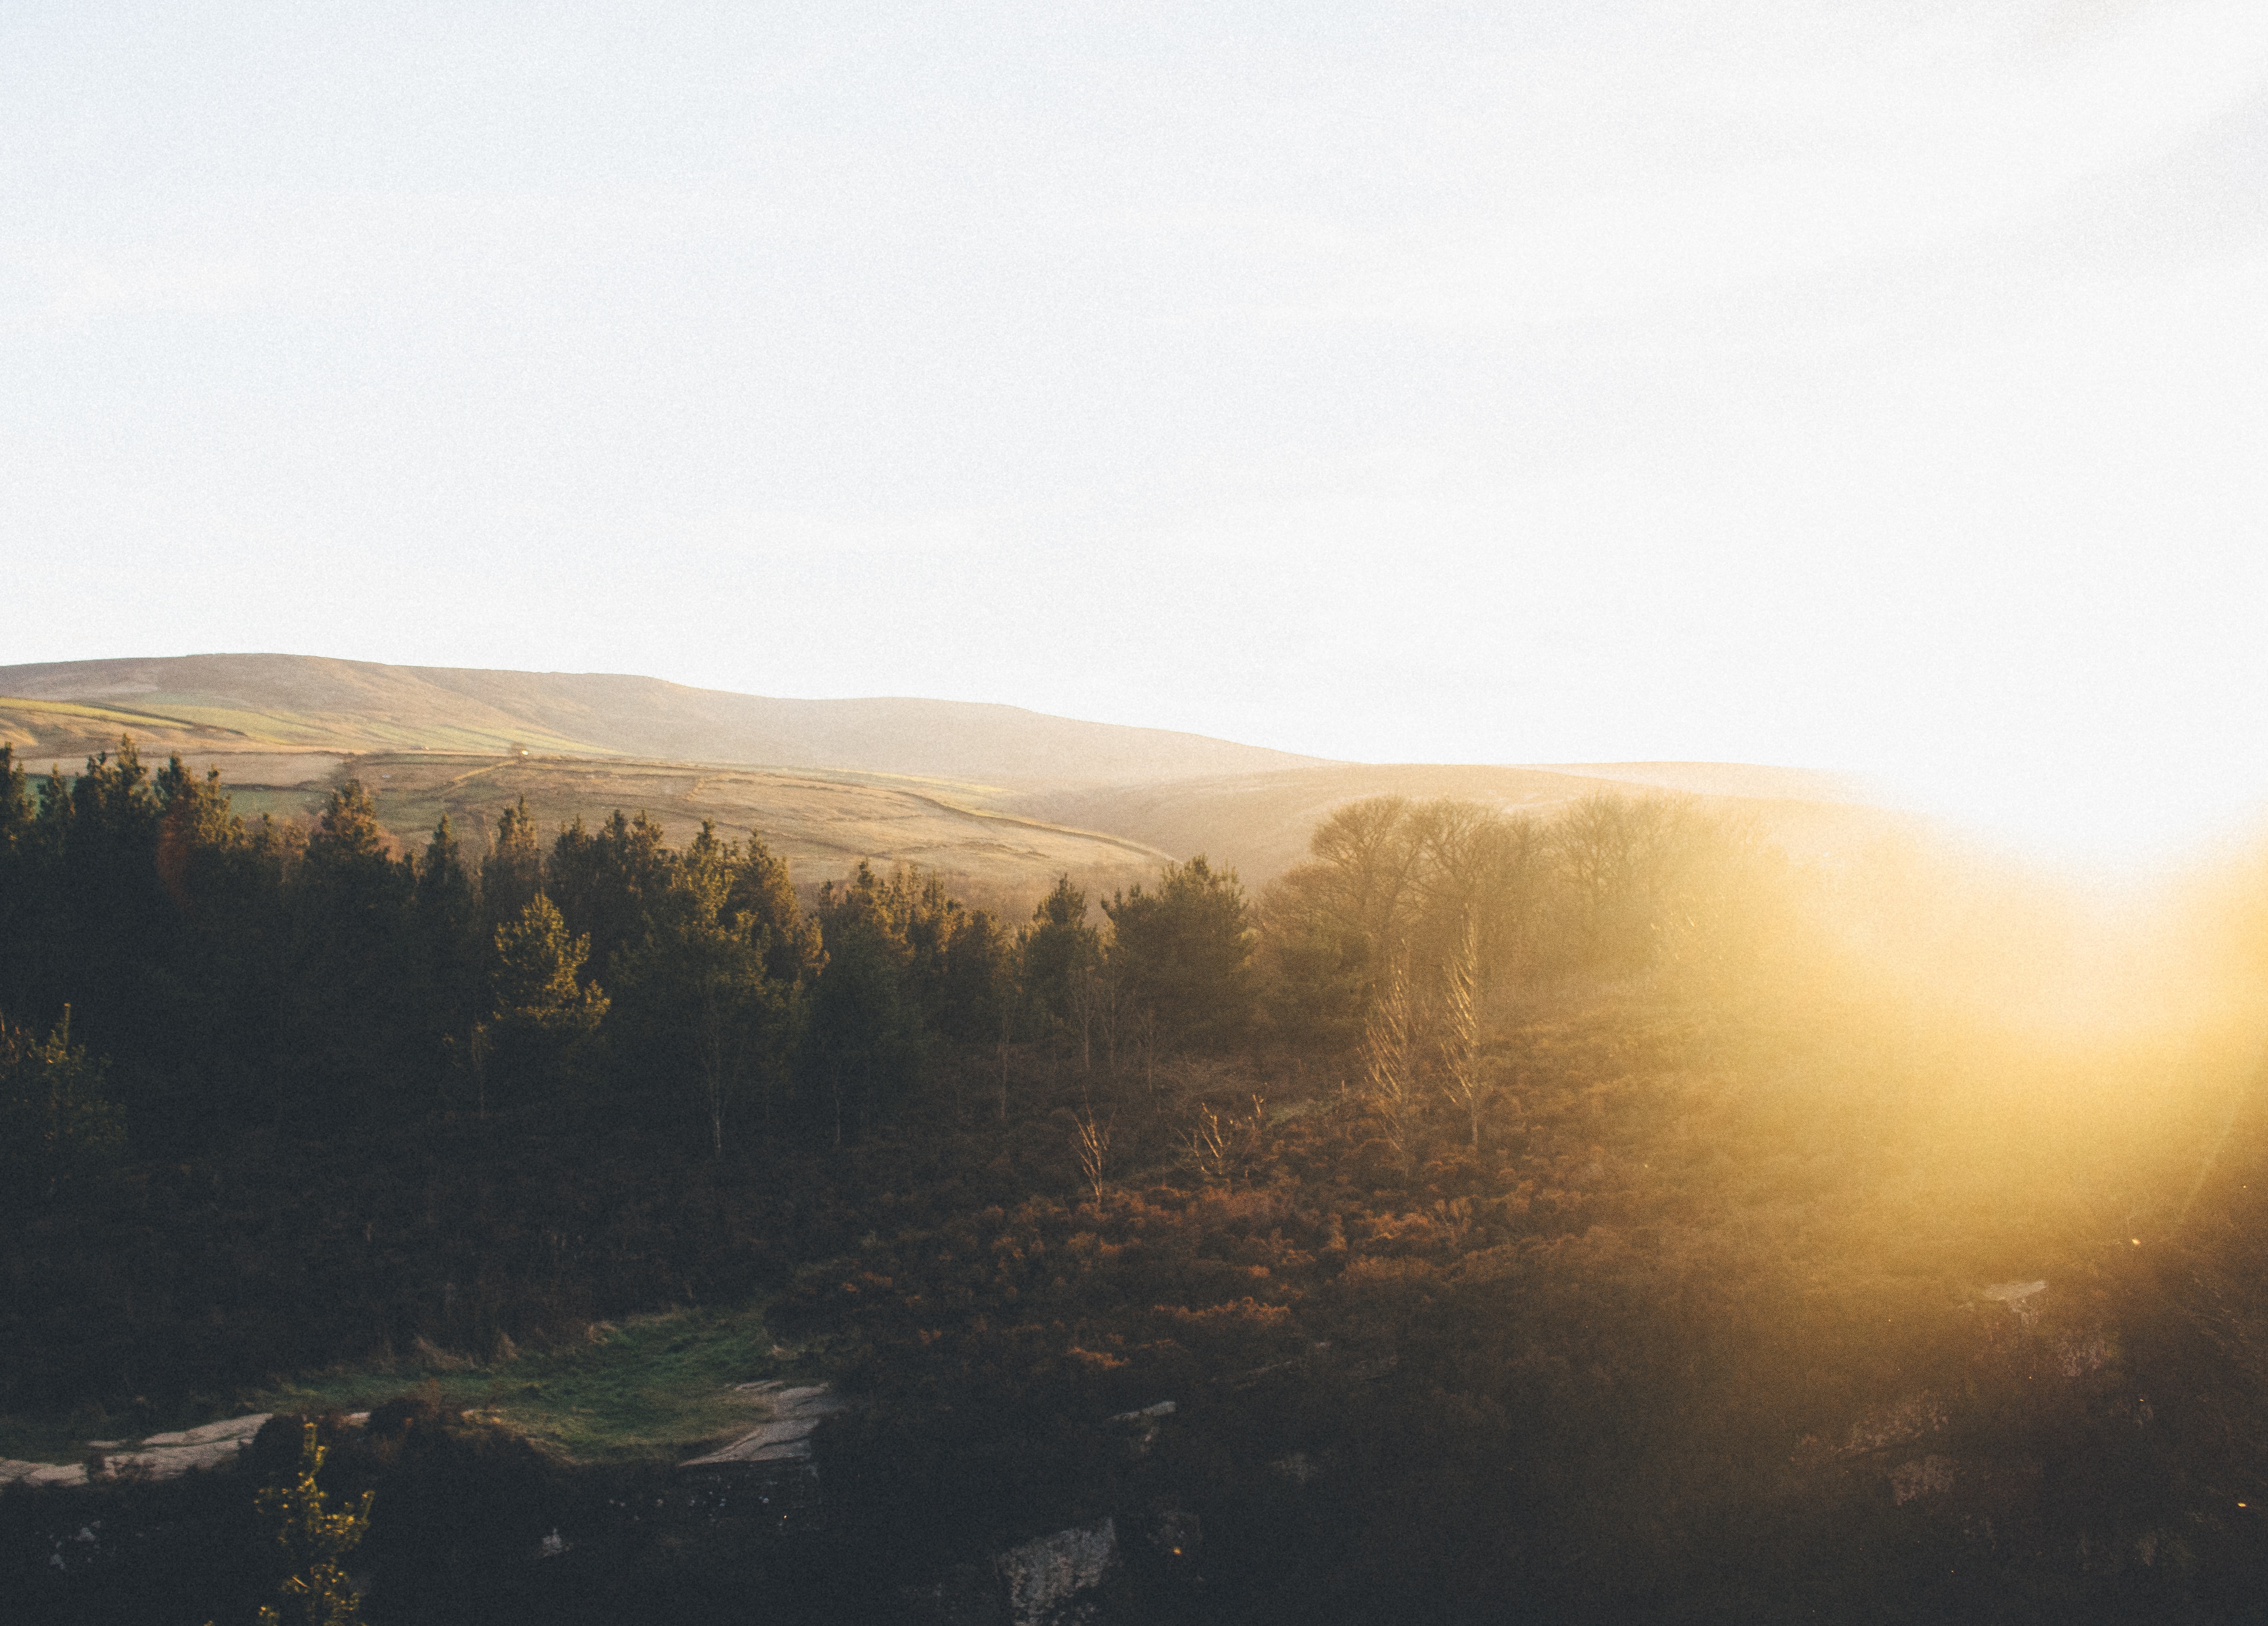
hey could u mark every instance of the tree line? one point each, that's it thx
(228, 974)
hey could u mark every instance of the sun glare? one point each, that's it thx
(2103, 821)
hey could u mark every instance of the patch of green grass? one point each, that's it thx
(655, 1386)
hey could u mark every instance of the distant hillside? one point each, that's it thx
(262, 703)
(1259, 823)
(823, 823)
(998, 798)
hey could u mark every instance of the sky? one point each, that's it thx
(1872, 388)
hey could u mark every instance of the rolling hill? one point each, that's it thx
(998, 800)
(267, 702)
(822, 822)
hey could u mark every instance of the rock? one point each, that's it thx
(1923, 1477)
(168, 1456)
(1046, 1575)
(2079, 1352)
(967, 1595)
(161, 1456)
(1140, 1426)
(2016, 1295)
(1161, 1408)
(13, 1473)
(796, 1415)
(173, 1461)
(232, 1429)
(1909, 1420)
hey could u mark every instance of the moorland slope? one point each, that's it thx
(823, 823)
(997, 799)
(265, 702)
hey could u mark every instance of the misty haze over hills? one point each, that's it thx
(1259, 824)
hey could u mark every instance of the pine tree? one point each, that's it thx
(607, 883)
(1058, 947)
(354, 1038)
(511, 873)
(56, 1119)
(697, 997)
(21, 880)
(545, 1020)
(763, 890)
(864, 1037)
(446, 960)
(1185, 951)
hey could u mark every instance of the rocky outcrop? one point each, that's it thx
(1046, 1581)
(1138, 1430)
(785, 1437)
(1045, 1576)
(160, 1456)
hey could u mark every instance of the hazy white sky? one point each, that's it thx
(1880, 385)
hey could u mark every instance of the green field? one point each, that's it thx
(655, 1386)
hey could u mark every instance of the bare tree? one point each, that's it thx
(1390, 1085)
(1093, 1145)
(1620, 860)
(1205, 1145)
(1460, 1032)
(1404, 880)
(1221, 1147)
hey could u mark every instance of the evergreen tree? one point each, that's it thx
(511, 873)
(1058, 949)
(57, 1122)
(212, 1009)
(1184, 952)
(22, 881)
(863, 1039)
(103, 916)
(447, 954)
(353, 1040)
(979, 980)
(607, 883)
(762, 890)
(696, 1001)
(15, 797)
(543, 1027)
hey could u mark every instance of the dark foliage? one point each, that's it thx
(1651, 1298)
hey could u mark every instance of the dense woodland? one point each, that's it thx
(1582, 1217)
